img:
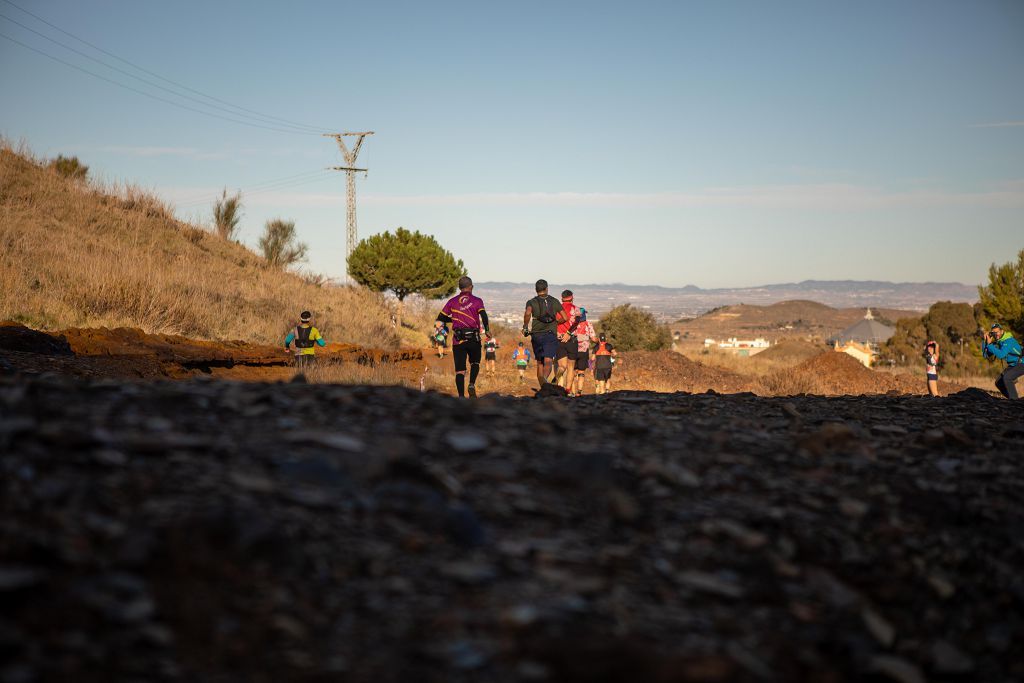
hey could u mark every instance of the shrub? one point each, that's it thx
(632, 329)
(69, 167)
(788, 383)
(227, 211)
(279, 244)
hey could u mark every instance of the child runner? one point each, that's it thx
(440, 339)
(306, 338)
(931, 363)
(521, 356)
(603, 356)
(490, 355)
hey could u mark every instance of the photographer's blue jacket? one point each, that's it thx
(1007, 349)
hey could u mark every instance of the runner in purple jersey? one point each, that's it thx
(466, 315)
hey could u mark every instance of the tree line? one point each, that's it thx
(957, 327)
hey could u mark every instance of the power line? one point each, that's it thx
(249, 193)
(162, 78)
(259, 185)
(139, 78)
(245, 192)
(150, 95)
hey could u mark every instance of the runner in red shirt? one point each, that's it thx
(567, 344)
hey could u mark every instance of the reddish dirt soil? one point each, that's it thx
(129, 353)
(664, 369)
(125, 353)
(840, 374)
(789, 350)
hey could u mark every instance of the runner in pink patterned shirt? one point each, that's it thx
(467, 316)
(585, 334)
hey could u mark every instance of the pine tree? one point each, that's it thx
(1002, 299)
(405, 263)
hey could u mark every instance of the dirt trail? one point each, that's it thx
(132, 353)
(125, 353)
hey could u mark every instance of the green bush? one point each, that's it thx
(632, 329)
(279, 244)
(69, 167)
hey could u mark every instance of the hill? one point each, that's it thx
(788, 351)
(786, 319)
(76, 254)
(673, 303)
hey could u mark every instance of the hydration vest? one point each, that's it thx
(546, 306)
(602, 349)
(302, 340)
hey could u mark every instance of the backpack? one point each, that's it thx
(302, 340)
(547, 310)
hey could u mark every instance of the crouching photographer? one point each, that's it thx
(1001, 344)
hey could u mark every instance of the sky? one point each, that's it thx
(722, 144)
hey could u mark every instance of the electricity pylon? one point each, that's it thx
(350, 181)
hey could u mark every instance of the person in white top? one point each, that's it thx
(931, 362)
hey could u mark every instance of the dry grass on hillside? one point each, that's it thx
(74, 254)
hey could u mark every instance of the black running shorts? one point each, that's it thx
(603, 374)
(567, 349)
(470, 350)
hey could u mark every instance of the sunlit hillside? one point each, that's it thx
(74, 254)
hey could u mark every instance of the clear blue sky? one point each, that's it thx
(715, 143)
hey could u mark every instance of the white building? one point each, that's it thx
(741, 347)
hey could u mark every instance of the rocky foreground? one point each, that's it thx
(216, 531)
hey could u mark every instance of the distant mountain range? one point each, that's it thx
(673, 303)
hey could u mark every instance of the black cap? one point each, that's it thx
(601, 336)
(567, 294)
(541, 286)
(305, 316)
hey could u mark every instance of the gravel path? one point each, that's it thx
(219, 531)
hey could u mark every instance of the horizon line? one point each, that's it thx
(713, 289)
